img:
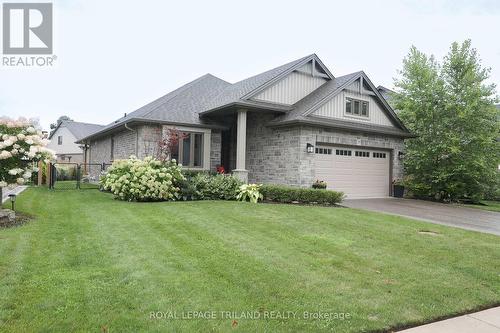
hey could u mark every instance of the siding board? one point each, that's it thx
(291, 89)
(335, 108)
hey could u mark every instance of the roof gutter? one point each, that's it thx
(147, 121)
(348, 127)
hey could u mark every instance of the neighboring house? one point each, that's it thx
(292, 125)
(64, 137)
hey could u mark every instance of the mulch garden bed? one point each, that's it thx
(18, 221)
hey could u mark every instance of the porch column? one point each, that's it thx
(241, 146)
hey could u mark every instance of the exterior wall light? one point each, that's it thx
(310, 148)
(401, 155)
(12, 198)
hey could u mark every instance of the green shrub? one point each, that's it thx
(250, 192)
(143, 180)
(288, 194)
(207, 186)
(319, 184)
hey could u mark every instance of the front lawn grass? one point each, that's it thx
(493, 206)
(91, 263)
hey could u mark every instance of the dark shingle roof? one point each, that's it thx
(181, 105)
(78, 129)
(187, 104)
(234, 92)
(385, 92)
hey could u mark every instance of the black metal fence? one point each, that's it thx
(69, 176)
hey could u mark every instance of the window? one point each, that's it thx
(364, 109)
(59, 140)
(348, 106)
(378, 155)
(189, 151)
(357, 107)
(342, 152)
(326, 151)
(362, 153)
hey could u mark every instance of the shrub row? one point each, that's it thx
(209, 186)
(288, 194)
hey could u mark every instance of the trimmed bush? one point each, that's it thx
(143, 180)
(319, 184)
(208, 186)
(288, 194)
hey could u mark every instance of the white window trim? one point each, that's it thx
(207, 139)
(352, 115)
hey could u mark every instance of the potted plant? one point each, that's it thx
(398, 188)
(319, 185)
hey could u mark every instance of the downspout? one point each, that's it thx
(136, 139)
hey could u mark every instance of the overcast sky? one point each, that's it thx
(116, 56)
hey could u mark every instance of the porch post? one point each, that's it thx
(241, 146)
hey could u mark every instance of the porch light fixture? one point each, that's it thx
(310, 148)
(401, 155)
(12, 198)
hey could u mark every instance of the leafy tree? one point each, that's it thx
(451, 109)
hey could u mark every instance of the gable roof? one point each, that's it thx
(180, 106)
(240, 92)
(78, 129)
(189, 104)
(303, 109)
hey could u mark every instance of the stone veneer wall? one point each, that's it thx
(273, 154)
(279, 156)
(142, 141)
(215, 149)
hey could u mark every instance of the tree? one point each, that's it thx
(60, 120)
(451, 109)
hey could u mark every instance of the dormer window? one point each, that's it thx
(355, 107)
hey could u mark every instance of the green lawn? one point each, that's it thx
(493, 206)
(88, 261)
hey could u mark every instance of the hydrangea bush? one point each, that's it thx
(20, 146)
(143, 180)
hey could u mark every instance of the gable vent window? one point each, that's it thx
(325, 151)
(356, 107)
(59, 140)
(342, 152)
(379, 155)
(362, 153)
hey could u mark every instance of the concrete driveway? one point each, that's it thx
(447, 214)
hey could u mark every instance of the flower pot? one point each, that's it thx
(398, 191)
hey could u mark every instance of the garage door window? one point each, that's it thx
(342, 152)
(379, 155)
(325, 151)
(362, 153)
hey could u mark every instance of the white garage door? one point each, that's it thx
(359, 173)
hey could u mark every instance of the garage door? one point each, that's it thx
(359, 173)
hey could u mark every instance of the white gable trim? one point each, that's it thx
(385, 106)
(285, 73)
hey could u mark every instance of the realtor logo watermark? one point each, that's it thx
(27, 30)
